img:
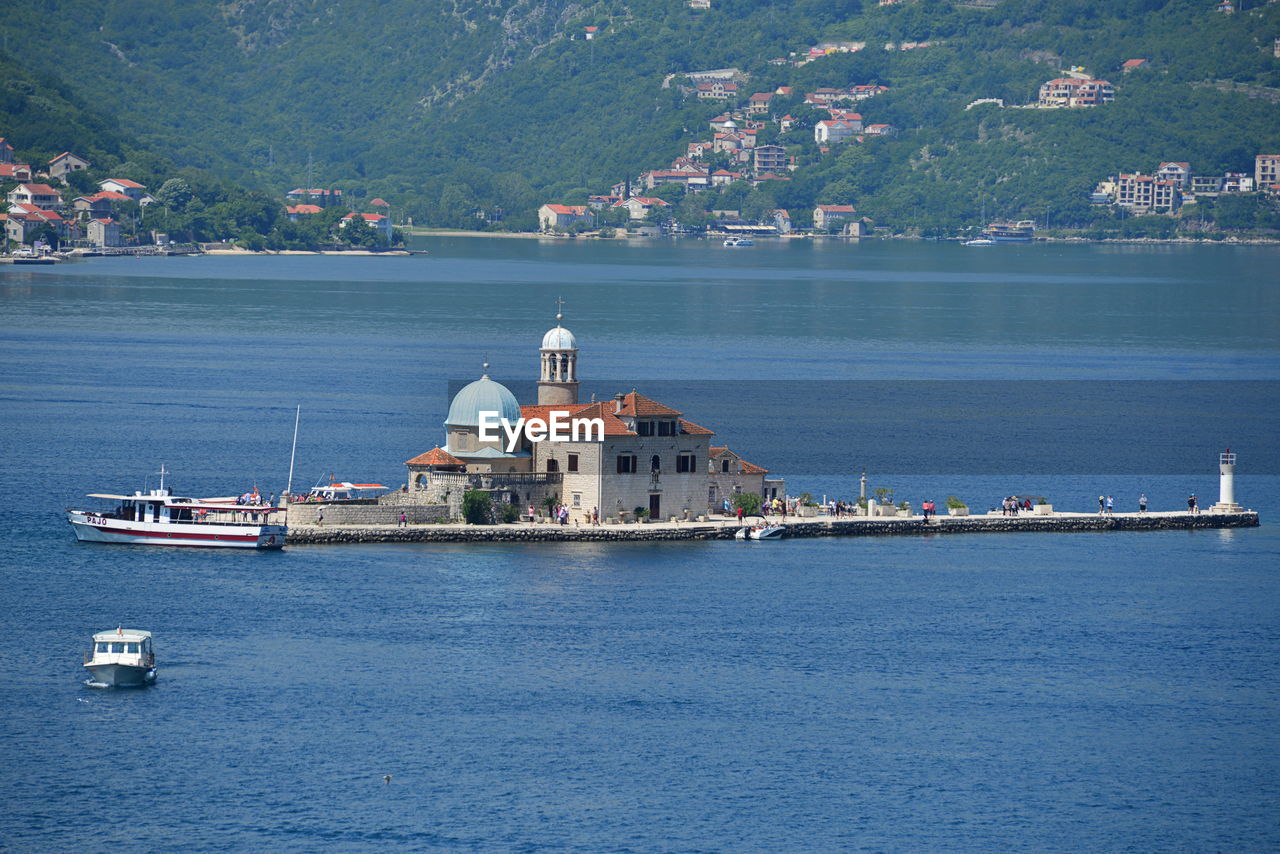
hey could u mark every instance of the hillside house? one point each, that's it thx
(880, 130)
(1147, 194)
(1266, 169)
(19, 172)
(723, 123)
(1132, 65)
(1178, 173)
(323, 198)
(297, 212)
(827, 217)
(718, 90)
(37, 195)
(638, 207)
(600, 202)
(770, 158)
(848, 116)
(132, 189)
(768, 177)
(690, 179)
(380, 222)
(98, 205)
(1075, 92)
(25, 221)
(555, 217)
(758, 104)
(65, 163)
(104, 232)
(831, 132)
(723, 177)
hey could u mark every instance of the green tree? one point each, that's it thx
(477, 507)
(748, 502)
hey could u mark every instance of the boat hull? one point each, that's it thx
(121, 675)
(92, 528)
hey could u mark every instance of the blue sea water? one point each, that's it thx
(1000, 692)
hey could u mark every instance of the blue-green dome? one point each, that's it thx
(483, 395)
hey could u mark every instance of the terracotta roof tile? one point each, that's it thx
(435, 457)
(693, 429)
(636, 404)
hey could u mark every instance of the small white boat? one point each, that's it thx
(738, 241)
(160, 518)
(123, 658)
(761, 532)
(980, 241)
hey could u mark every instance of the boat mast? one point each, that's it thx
(162, 474)
(288, 490)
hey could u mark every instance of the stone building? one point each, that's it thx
(638, 456)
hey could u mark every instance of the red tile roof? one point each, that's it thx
(434, 457)
(124, 182)
(636, 404)
(571, 210)
(379, 203)
(692, 429)
(39, 189)
(303, 209)
(604, 411)
(837, 208)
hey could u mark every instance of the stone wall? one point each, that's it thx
(367, 514)
(872, 527)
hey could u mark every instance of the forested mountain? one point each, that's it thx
(462, 108)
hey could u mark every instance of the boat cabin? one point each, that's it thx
(122, 646)
(161, 506)
(345, 491)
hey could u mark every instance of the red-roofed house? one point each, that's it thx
(378, 221)
(379, 203)
(759, 102)
(296, 212)
(64, 163)
(19, 172)
(723, 177)
(720, 90)
(731, 475)
(24, 221)
(831, 131)
(553, 217)
(103, 231)
(638, 207)
(1132, 65)
(39, 195)
(132, 189)
(831, 216)
(591, 32)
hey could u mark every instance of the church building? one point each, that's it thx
(650, 457)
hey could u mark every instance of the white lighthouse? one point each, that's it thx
(1226, 485)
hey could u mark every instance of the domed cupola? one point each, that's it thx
(483, 395)
(558, 382)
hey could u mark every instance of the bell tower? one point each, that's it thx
(558, 381)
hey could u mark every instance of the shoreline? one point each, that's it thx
(537, 235)
(724, 529)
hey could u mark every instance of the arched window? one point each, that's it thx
(655, 464)
(422, 481)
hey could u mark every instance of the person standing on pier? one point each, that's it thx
(1191, 504)
(1142, 503)
(1111, 506)
(1102, 504)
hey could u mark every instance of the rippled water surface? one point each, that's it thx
(1002, 692)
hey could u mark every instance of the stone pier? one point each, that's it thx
(724, 529)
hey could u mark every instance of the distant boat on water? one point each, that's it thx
(1022, 231)
(738, 241)
(980, 241)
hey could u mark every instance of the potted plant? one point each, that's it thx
(956, 507)
(904, 508)
(642, 514)
(1043, 507)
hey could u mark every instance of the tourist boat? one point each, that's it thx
(738, 241)
(761, 532)
(1022, 231)
(122, 658)
(158, 517)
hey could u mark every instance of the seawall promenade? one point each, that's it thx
(724, 530)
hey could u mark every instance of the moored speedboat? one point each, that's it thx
(761, 532)
(980, 241)
(123, 658)
(738, 241)
(160, 518)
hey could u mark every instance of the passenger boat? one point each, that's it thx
(158, 517)
(122, 658)
(1022, 231)
(738, 241)
(761, 532)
